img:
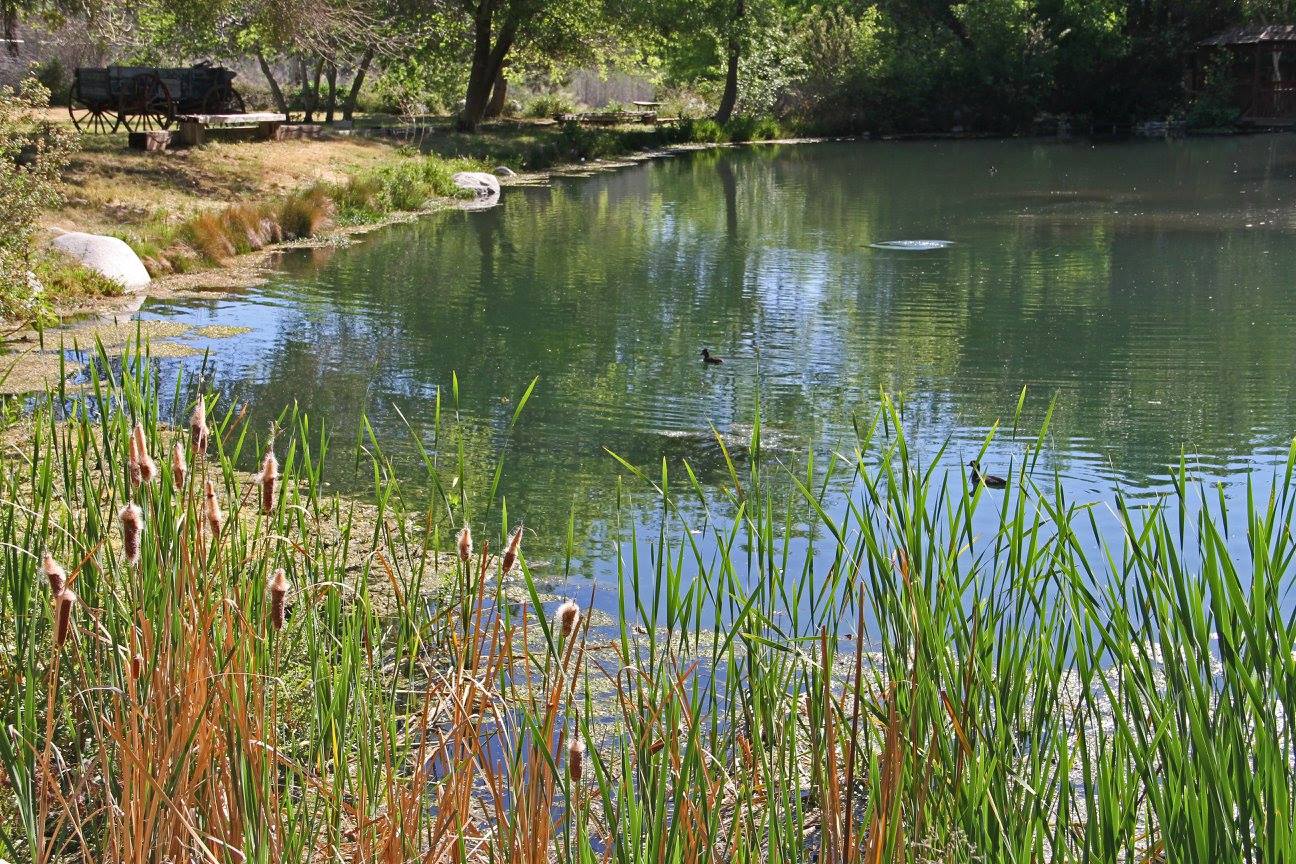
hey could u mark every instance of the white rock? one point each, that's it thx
(480, 183)
(504, 171)
(107, 255)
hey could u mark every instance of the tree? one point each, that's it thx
(499, 29)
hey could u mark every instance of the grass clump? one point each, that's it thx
(407, 186)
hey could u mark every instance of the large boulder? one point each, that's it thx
(504, 171)
(109, 256)
(479, 183)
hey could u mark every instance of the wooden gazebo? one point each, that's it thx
(1262, 70)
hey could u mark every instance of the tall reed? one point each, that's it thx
(920, 670)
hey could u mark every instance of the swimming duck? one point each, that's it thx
(708, 357)
(990, 480)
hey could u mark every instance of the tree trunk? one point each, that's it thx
(310, 92)
(349, 106)
(276, 93)
(486, 64)
(499, 93)
(332, 97)
(729, 97)
(9, 26)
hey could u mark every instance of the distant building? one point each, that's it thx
(1262, 69)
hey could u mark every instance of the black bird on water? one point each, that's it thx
(708, 357)
(990, 480)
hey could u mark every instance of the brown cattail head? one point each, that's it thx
(510, 553)
(211, 509)
(132, 522)
(178, 467)
(148, 470)
(198, 431)
(56, 575)
(269, 474)
(576, 758)
(465, 543)
(63, 604)
(136, 666)
(279, 598)
(567, 617)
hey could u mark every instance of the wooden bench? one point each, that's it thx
(261, 125)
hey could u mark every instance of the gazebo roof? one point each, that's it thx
(1253, 35)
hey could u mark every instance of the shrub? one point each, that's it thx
(53, 76)
(32, 151)
(704, 131)
(550, 105)
(752, 129)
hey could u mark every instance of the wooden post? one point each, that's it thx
(192, 133)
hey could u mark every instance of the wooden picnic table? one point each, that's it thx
(193, 127)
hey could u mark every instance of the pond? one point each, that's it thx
(1146, 286)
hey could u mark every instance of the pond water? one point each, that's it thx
(1145, 285)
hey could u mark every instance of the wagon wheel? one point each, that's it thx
(223, 99)
(148, 102)
(91, 119)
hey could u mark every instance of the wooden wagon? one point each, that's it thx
(144, 98)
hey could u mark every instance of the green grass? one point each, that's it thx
(1034, 691)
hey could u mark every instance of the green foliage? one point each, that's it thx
(1214, 107)
(32, 151)
(406, 186)
(550, 105)
(702, 131)
(748, 128)
(55, 78)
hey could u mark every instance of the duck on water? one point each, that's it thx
(708, 357)
(992, 481)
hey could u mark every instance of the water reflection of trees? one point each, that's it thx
(1154, 333)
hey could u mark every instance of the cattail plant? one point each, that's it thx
(511, 552)
(576, 758)
(279, 599)
(132, 523)
(63, 604)
(179, 470)
(198, 431)
(145, 466)
(567, 618)
(211, 509)
(269, 475)
(465, 543)
(55, 573)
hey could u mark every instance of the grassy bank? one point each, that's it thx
(269, 673)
